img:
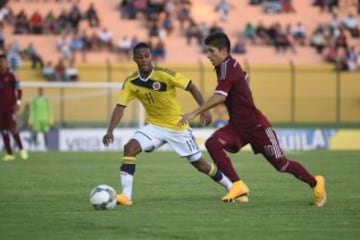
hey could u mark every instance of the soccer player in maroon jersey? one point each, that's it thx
(10, 99)
(247, 125)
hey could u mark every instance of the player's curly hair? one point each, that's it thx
(219, 40)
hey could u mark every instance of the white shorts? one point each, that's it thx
(183, 143)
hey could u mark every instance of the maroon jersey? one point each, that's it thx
(9, 91)
(232, 83)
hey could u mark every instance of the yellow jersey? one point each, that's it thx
(157, 93)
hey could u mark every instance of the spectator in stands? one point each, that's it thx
(341, 40)
(262, 33)
(134, 42)
(48, 71)
(272, 32)
(95, 42)
(153, 29)
(124, 47)
(341, 62)
(92, 16)
(330, 4)
(63, 22)
(5, 14)
(14, 57)
(140, 5)
(352, 58)
(351, 24)
(239, 46)
(34, 56)
(162, 33)
(330, 53)
(191, 32)
(299, 33)
(317, 40)
(255, 2)
(223, 8)
(76, 46)
(74, 17)
(127, 9)
(250, 33)
(21, 25)
(271, 6)
(87, 44)
(50, 23)
(280, 39)
(203, 31)
(320, 4)
(168, 24)
(154, 7)
(63, 45)
(326, 5)
(105, 39)
(291, 42)
(60, 71)
(328, 33)
(287, 6)
(183, 14)
(159, 51)
(71, 72)
(335, 22)
(36, 23)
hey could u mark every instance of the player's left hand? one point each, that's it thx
(205, 118)
(186, 118)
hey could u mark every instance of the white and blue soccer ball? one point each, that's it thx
(103, 197)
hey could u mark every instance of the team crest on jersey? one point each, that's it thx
(156, 86)
(6, 79)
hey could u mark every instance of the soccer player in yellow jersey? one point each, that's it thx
(155, 88)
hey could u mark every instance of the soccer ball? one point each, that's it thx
(103, 197)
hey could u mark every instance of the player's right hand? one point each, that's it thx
(108, 139)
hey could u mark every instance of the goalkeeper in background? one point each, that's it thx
(40, 118)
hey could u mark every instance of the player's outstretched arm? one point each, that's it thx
(205, 117)
(114, 121)
(210, 103)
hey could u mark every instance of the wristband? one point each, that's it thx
(18, 102)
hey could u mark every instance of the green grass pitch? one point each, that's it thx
(46, 198)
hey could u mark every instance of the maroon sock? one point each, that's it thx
(6, 140)
(18, 140)
(222, 161)
(301, 173)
